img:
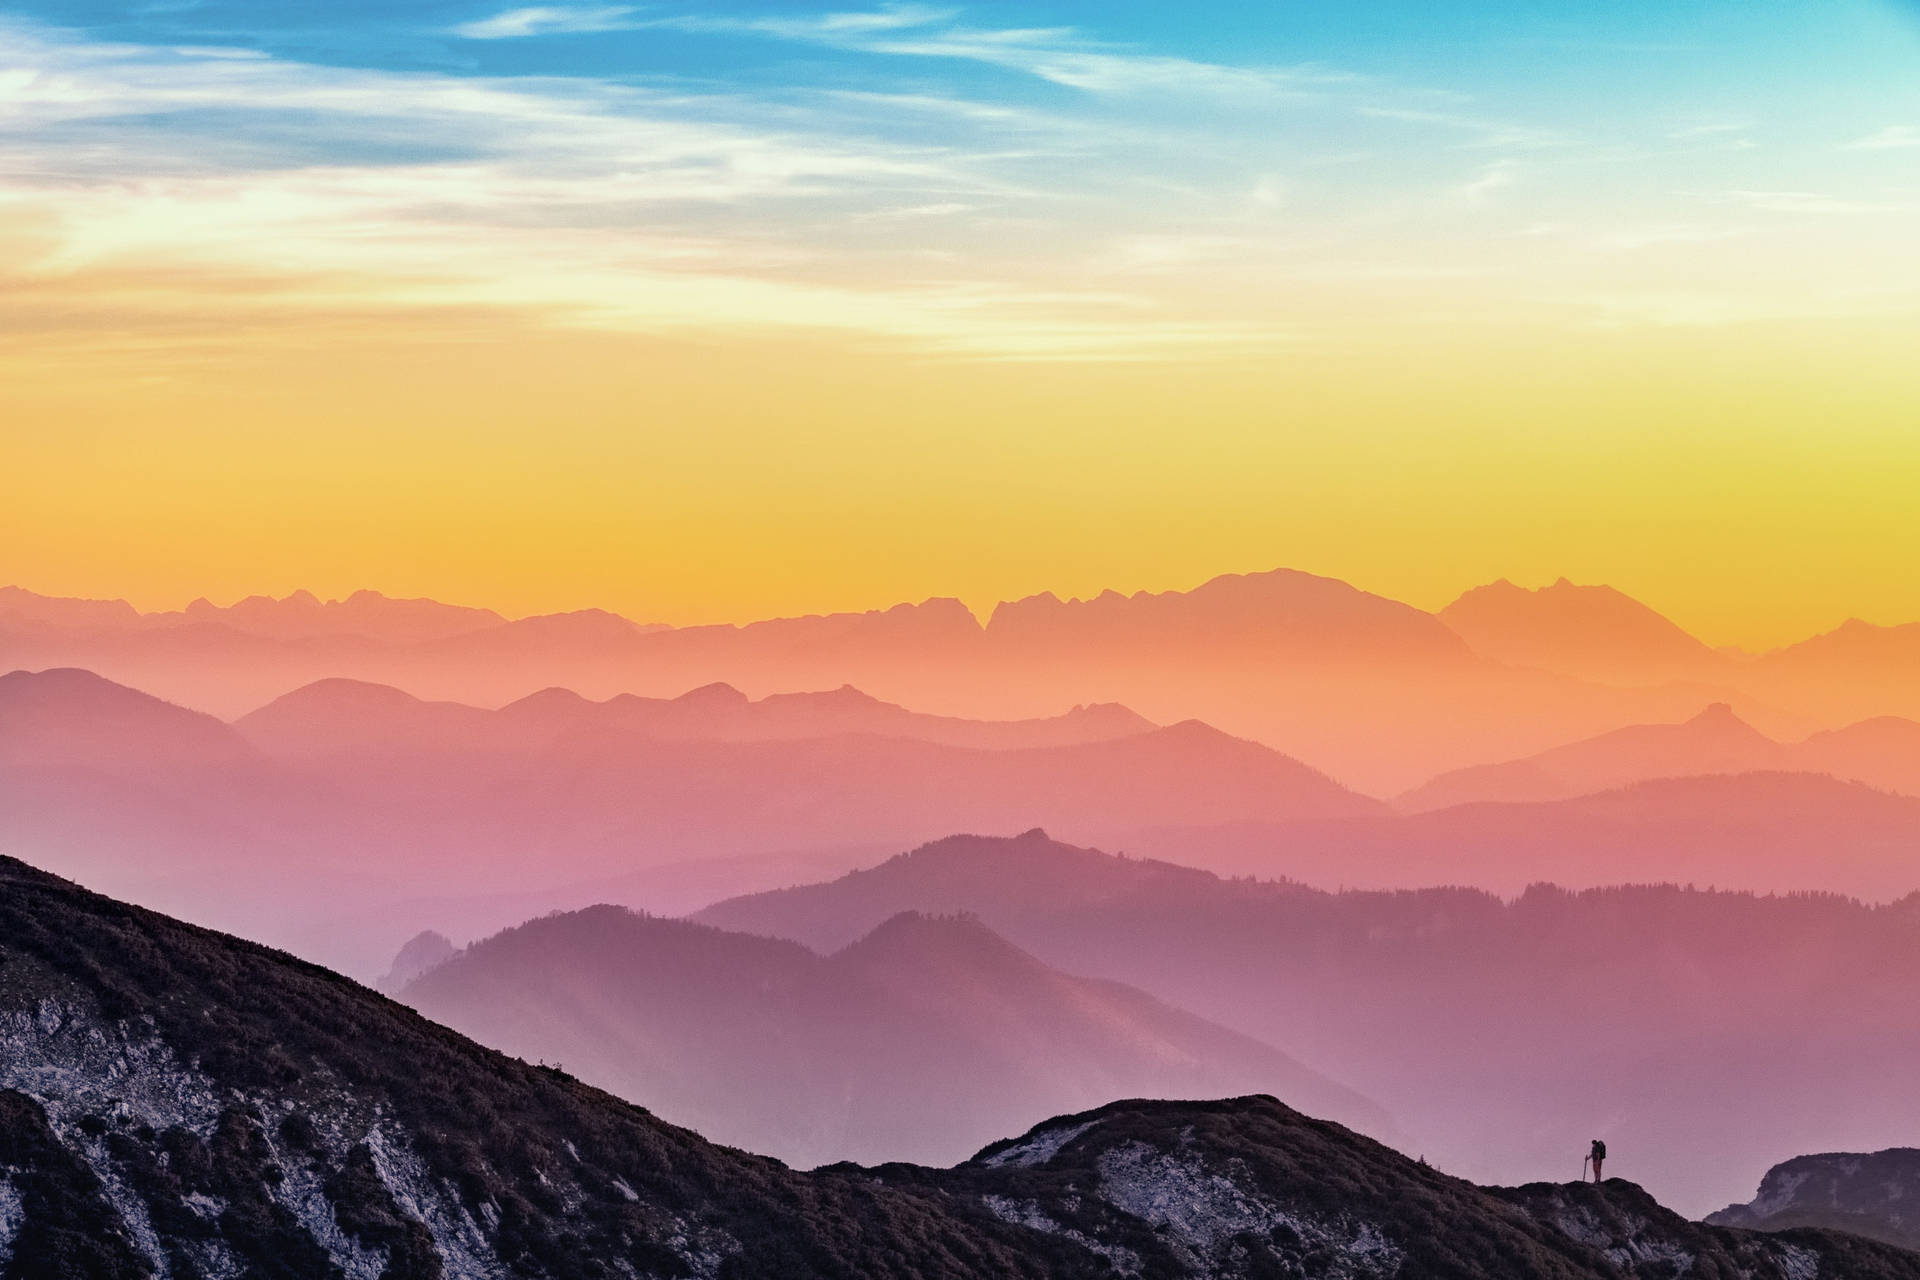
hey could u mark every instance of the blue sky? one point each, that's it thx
(946, 170)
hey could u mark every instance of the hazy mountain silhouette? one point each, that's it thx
(22, 608)
(1008, 883)
(1704, 1032)
(334, 715)
(303, 616)
(1875, 1194)
(1279, 614)
(1378, 693)
(175, 1101)
(1771, 832)
(1587, 632)
(1882, 753)
(328, 717)
(364, 796)
(424, 952)
(125, 788)
(1715, 741)
(1856, 671)
(67, 718)
(368, 615)
(917, 1042)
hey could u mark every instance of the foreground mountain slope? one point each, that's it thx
(922, 1041)
(1318, 1201)
(173, 1098)
(176, 1102)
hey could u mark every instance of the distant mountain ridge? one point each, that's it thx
(1701, 1031)
(338, 714)
(298, 616)
(1279, 612)
(370, 796)
(1883, 753)
(173, 1101)
(1591, 632)
(1368, 689)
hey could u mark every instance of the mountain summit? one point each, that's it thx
(1588, 632)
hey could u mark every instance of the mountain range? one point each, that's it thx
(335, 715)
(177, 1102)
(1375, 692)
(1762, 832)
(1701, 1033)
(921, 1041)
(368, 796)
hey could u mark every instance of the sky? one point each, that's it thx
(722, 311)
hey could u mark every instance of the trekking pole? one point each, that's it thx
(1584, 1162)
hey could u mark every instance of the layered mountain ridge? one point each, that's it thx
(920, 1041)
(173, 1101)
(1707, 1032)
(373, 797)
(1378, 693)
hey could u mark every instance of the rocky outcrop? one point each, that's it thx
(1875, 1195)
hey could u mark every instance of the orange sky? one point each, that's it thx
(686, 481)
(1065, 309)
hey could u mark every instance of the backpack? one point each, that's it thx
(1599, 1150)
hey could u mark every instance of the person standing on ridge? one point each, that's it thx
(1598, 1154)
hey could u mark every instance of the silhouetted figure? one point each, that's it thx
(1598, 1154)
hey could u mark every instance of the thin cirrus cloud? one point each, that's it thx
(543, 20)
(1060, 55)
(959, 187)
(1895, 137)
(577, 202)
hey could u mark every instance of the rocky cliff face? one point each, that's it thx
(1875, 1195)
(178, 1103)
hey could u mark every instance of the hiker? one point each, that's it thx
(1598, 1154)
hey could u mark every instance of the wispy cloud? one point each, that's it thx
(1007, 193)
(1895, 137)
(1818, 202)
(1060, 55)
(1481, 189)
(580, 202)
(1478, 131)
(542, 20)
